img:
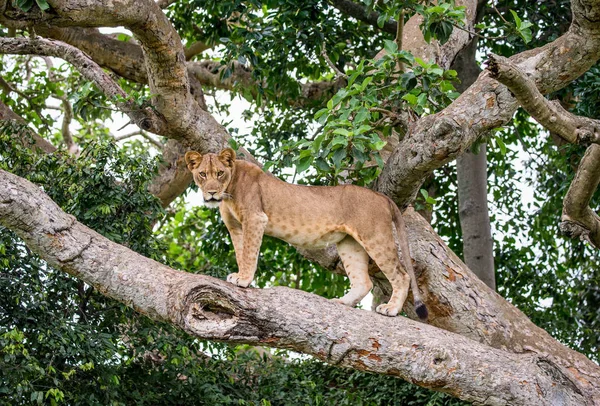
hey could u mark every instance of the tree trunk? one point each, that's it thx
(478, 251)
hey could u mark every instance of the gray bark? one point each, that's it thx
(287, 318)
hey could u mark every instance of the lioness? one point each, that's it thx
(359, 221)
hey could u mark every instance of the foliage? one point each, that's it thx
(359, 119)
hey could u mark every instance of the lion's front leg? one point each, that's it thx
(253, 228)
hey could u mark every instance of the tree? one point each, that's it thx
(387, 122)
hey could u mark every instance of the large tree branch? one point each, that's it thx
(438, 139)
(286, 318)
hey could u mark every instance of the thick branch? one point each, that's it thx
(286, 318)
(578, 220)
(358, 11)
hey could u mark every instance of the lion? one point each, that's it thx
(360, 222)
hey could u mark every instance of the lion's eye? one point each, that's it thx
(202, 174)
(220, 173)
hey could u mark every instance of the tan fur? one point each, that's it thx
(359, 221)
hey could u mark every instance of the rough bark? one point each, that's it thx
(287, 318)
(438, 139)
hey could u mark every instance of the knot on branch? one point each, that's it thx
(573, 229)
(210, 313)
(145, 124)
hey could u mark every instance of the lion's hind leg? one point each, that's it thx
(386, 258)
(356, 263)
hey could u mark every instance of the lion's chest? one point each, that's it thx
(304, 233)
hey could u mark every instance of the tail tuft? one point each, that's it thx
(421, 310)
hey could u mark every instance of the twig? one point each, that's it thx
(399, 33)
(338, 73)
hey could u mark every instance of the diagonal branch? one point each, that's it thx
(285, 318)
(578, 220)
(550, 114)
(11, 121)
(144, 118)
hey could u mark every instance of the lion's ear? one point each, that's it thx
(227, 156)
(192, 159)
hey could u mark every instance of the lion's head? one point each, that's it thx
(212, 174)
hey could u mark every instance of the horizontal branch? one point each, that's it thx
(286, 318)
(359, 11)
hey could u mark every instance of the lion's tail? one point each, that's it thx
(420, 307)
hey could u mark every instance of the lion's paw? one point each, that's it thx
(341, 300)
(238, 281)
(387, 310)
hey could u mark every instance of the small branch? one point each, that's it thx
(11, 121)
(67, 109)
(195, 49)
(165, 3)
(578, 219)
(338, 73)
(144, 134)
(399, 33)
(551, 115)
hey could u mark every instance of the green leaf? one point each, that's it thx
(24, 5)
(339, 141)
(517, 19)
(304, 163)
(342, 131)
(410, 98)
(338, 156)
(43, 4)
(501, 145)
(362, 115)
(381, 20)
(391, 47)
